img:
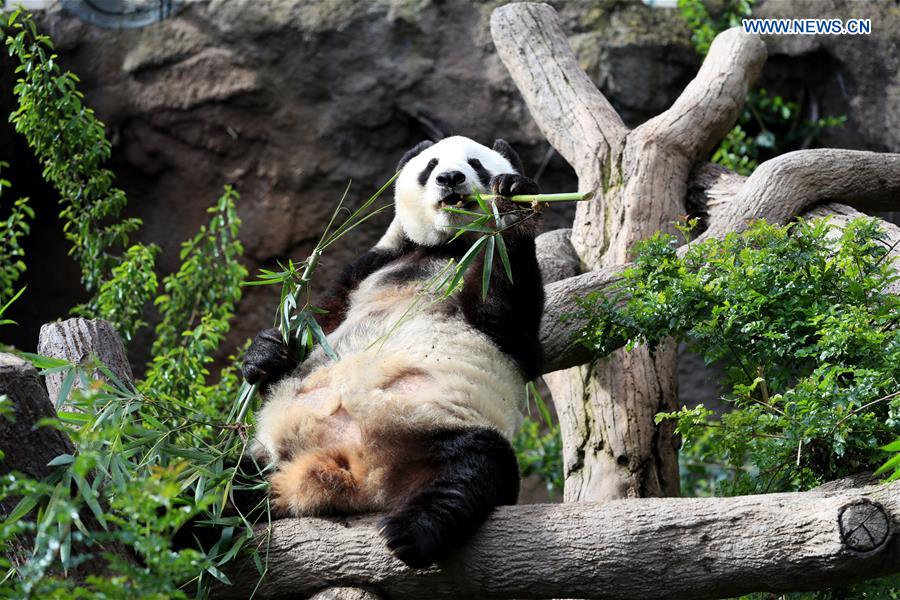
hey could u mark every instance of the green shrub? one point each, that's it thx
(15, 227)
(802, 321)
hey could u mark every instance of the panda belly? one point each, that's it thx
(346, 436)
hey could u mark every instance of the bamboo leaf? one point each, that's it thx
(464, 263)
(88, 495)
(893, 463)
(504, 257)
(66, 387)
(62, 459)
(487, 267)
(322, 339)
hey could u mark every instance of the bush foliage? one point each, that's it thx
(802, 321)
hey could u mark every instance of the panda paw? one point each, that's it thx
(513, 184)
(410, 539)
(268, 358)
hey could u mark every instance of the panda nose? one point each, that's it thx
(450, 179)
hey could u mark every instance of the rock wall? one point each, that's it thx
(853, 75)
(289, 100)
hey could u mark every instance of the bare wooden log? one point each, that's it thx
(76, 340)
(559, 325)
(710, 187)
(646, 548)
(344, 593)
(785, 186)
(556, 256)
(26, 447)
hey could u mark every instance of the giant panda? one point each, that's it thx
(416, 416)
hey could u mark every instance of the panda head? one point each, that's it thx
(434, 175)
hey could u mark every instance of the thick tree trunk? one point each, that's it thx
(630, 549)
(612, 447)
(26, 447)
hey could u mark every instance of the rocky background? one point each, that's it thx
(288, 100)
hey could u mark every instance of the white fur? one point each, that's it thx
(418, 208)
(408, 358)
(456, 375)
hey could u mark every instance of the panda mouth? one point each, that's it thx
(455, 200)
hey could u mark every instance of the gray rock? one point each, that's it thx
(290, 99)
(853, 75)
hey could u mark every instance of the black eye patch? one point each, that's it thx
(483, 176)
(426, 173)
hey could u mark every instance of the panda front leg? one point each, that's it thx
(268, 358)
(513, 184)
(475, 470)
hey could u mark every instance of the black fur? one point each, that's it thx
(511, 313)
(268, 359)
(483, 175)
(413, 152)
(503, 148)
(475, 471)
(426, 172)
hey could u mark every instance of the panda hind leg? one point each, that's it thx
(324, 481)
(475, 470)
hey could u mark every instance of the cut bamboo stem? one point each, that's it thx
(568, 197)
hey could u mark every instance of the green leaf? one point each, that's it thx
(464, 264)
(890, 465)
(66, 387)
(62, 459)
(218, 575)
(89, 496)
(504, 257)
(22, 508)
(488, 266)
(893, 446)
(322, 339)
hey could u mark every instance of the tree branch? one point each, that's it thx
(710, 104)
(785, 186)
(710, 188)
(575, 117)
(642, 548)
(558, 326)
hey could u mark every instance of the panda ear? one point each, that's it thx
(503, 148)
(413, 152)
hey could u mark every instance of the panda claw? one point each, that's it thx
(407, 542)
(267, 359)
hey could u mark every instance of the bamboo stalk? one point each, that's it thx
(567, 197)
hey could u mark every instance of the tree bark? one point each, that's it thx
(612, 447)
(26, 447)
(634, 549)
(77, 340)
